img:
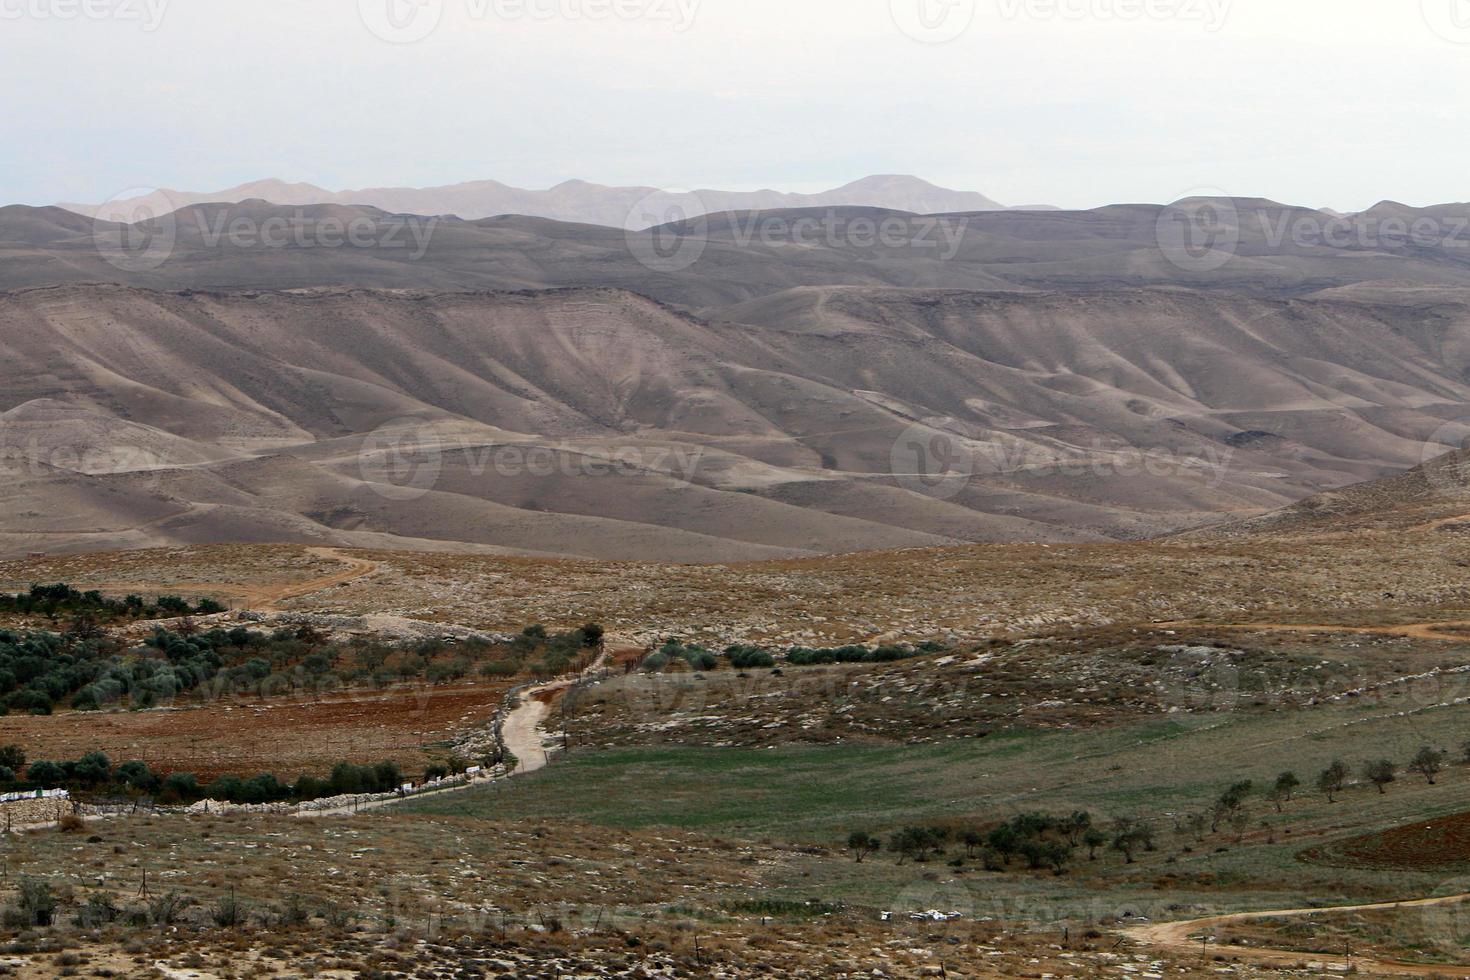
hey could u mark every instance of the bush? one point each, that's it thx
(34, 905)
(228, 912)
(91, 770)
(294, 911)
(699, 658)
(138, 777)
(749, 657)
(184, 785)
(47, 775)
(166, 909)
(97, 911)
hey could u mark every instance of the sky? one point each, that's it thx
(1075, 103)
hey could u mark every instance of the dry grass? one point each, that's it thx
(287, 736)
(984, 591)
(434, 897)
(1435, 935)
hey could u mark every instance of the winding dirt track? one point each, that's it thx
(266, 600)
(1184, 937)
(523, 735)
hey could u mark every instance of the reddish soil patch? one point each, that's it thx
(1431, 845)
(285, 736)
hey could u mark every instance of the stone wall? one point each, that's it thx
(24, 812)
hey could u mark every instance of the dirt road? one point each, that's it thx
(1185, 937)
(1417, 631)
(522, 731)
(262, 598)
(268, 600)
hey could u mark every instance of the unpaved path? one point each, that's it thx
(1417, 631)
(263, 598)
(268, 600)
(1185, 937)
(522, 732)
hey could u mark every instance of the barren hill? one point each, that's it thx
(1434, 497)
(745, 384)
(597, 422)
(576, 201)
(709, 263)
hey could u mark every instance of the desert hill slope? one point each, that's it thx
(600, 423)
(1433, 497)
(709, 263)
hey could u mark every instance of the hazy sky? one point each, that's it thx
(1333, 103)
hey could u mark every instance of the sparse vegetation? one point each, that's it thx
(1381, 773)
(1332, 780)
(94, 774)
(1429, 763)
(87, 610)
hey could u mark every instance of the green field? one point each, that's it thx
(816, 795)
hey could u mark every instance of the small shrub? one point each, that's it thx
(97, 911)
(294, 911)
(228, 912)
(34, 905)
(166, 909)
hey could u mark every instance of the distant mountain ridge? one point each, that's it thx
(576, 201)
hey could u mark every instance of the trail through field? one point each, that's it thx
(1186, 937)
(523, 734)
(1416, 631)
(525, 739)
(263, 598)
(268, 600)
